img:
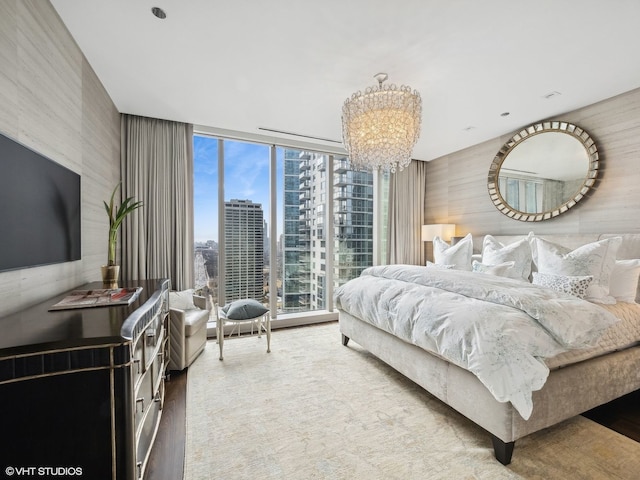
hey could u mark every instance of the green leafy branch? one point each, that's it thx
(116, 216)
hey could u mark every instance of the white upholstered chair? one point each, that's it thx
(242, 312)
(188, 330)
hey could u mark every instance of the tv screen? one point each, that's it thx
(39, 209)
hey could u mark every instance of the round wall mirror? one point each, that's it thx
(543, 171)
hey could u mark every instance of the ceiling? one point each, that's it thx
(288, 65)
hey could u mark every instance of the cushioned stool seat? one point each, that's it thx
(188, 328)
(243, 311)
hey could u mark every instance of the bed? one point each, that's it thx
(577, 353)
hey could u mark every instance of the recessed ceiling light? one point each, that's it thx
(158, 12)
(504, 114)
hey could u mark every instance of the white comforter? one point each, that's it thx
(498, 328)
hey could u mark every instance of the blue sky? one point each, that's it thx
(246, 178)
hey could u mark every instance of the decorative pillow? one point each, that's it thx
(596, 259)
(500, 270)
(624, 280)
(576, 286)
(181, 300)
(438, 266)
(244, 309)
(494, 253)
(458, 255)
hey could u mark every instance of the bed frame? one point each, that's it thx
(569, 390)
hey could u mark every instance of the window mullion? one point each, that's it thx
(221, 226)
(329, 236)
(273, 233)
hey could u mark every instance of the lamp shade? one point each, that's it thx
(443, 230)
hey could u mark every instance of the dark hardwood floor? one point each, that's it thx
(621, 415)
(166, 461)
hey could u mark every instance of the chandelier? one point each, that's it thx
(381, 126)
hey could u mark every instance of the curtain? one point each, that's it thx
(157, 169)
(406, 213)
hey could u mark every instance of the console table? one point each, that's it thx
(82, 390)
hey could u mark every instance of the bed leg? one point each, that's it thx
(503, 451)
(345, 340)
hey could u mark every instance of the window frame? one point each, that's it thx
(304, 317)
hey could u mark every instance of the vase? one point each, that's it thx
(110, 276)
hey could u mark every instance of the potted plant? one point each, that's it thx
(116, 215)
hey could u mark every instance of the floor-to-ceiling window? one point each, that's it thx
(245, 220)
(301, 238)
(205, 213)
(316, 213)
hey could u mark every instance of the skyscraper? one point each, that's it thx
(244, 250)
(306, 187)
(296, 239)
(353, 221)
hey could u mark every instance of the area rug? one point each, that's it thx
(315, 409)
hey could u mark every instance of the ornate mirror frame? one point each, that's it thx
(537, 129)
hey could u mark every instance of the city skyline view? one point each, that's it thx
(307, 262)
(246, 178)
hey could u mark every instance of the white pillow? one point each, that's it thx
(596, 259)
(181, 300)
(624, 280)
(573, 285)
(458, 255)
(438, 266)
(494, 252)
(500, 270)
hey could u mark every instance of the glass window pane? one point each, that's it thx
(246, 210)
(353, 221)
(302, 283)
(513, 193)
(205, 214)
(531, 201)
(303, 185)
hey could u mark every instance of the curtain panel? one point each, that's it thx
(157, 169)
(406, 214)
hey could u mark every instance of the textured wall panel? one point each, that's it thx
(457, 192)
(52, 101)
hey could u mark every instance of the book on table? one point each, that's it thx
(98, 297)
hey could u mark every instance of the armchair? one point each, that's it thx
(188, 332)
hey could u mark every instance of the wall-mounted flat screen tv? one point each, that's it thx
(39, 209)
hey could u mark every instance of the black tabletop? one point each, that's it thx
(36, 328)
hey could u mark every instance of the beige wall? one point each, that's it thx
(457, 191)
(52, 102)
